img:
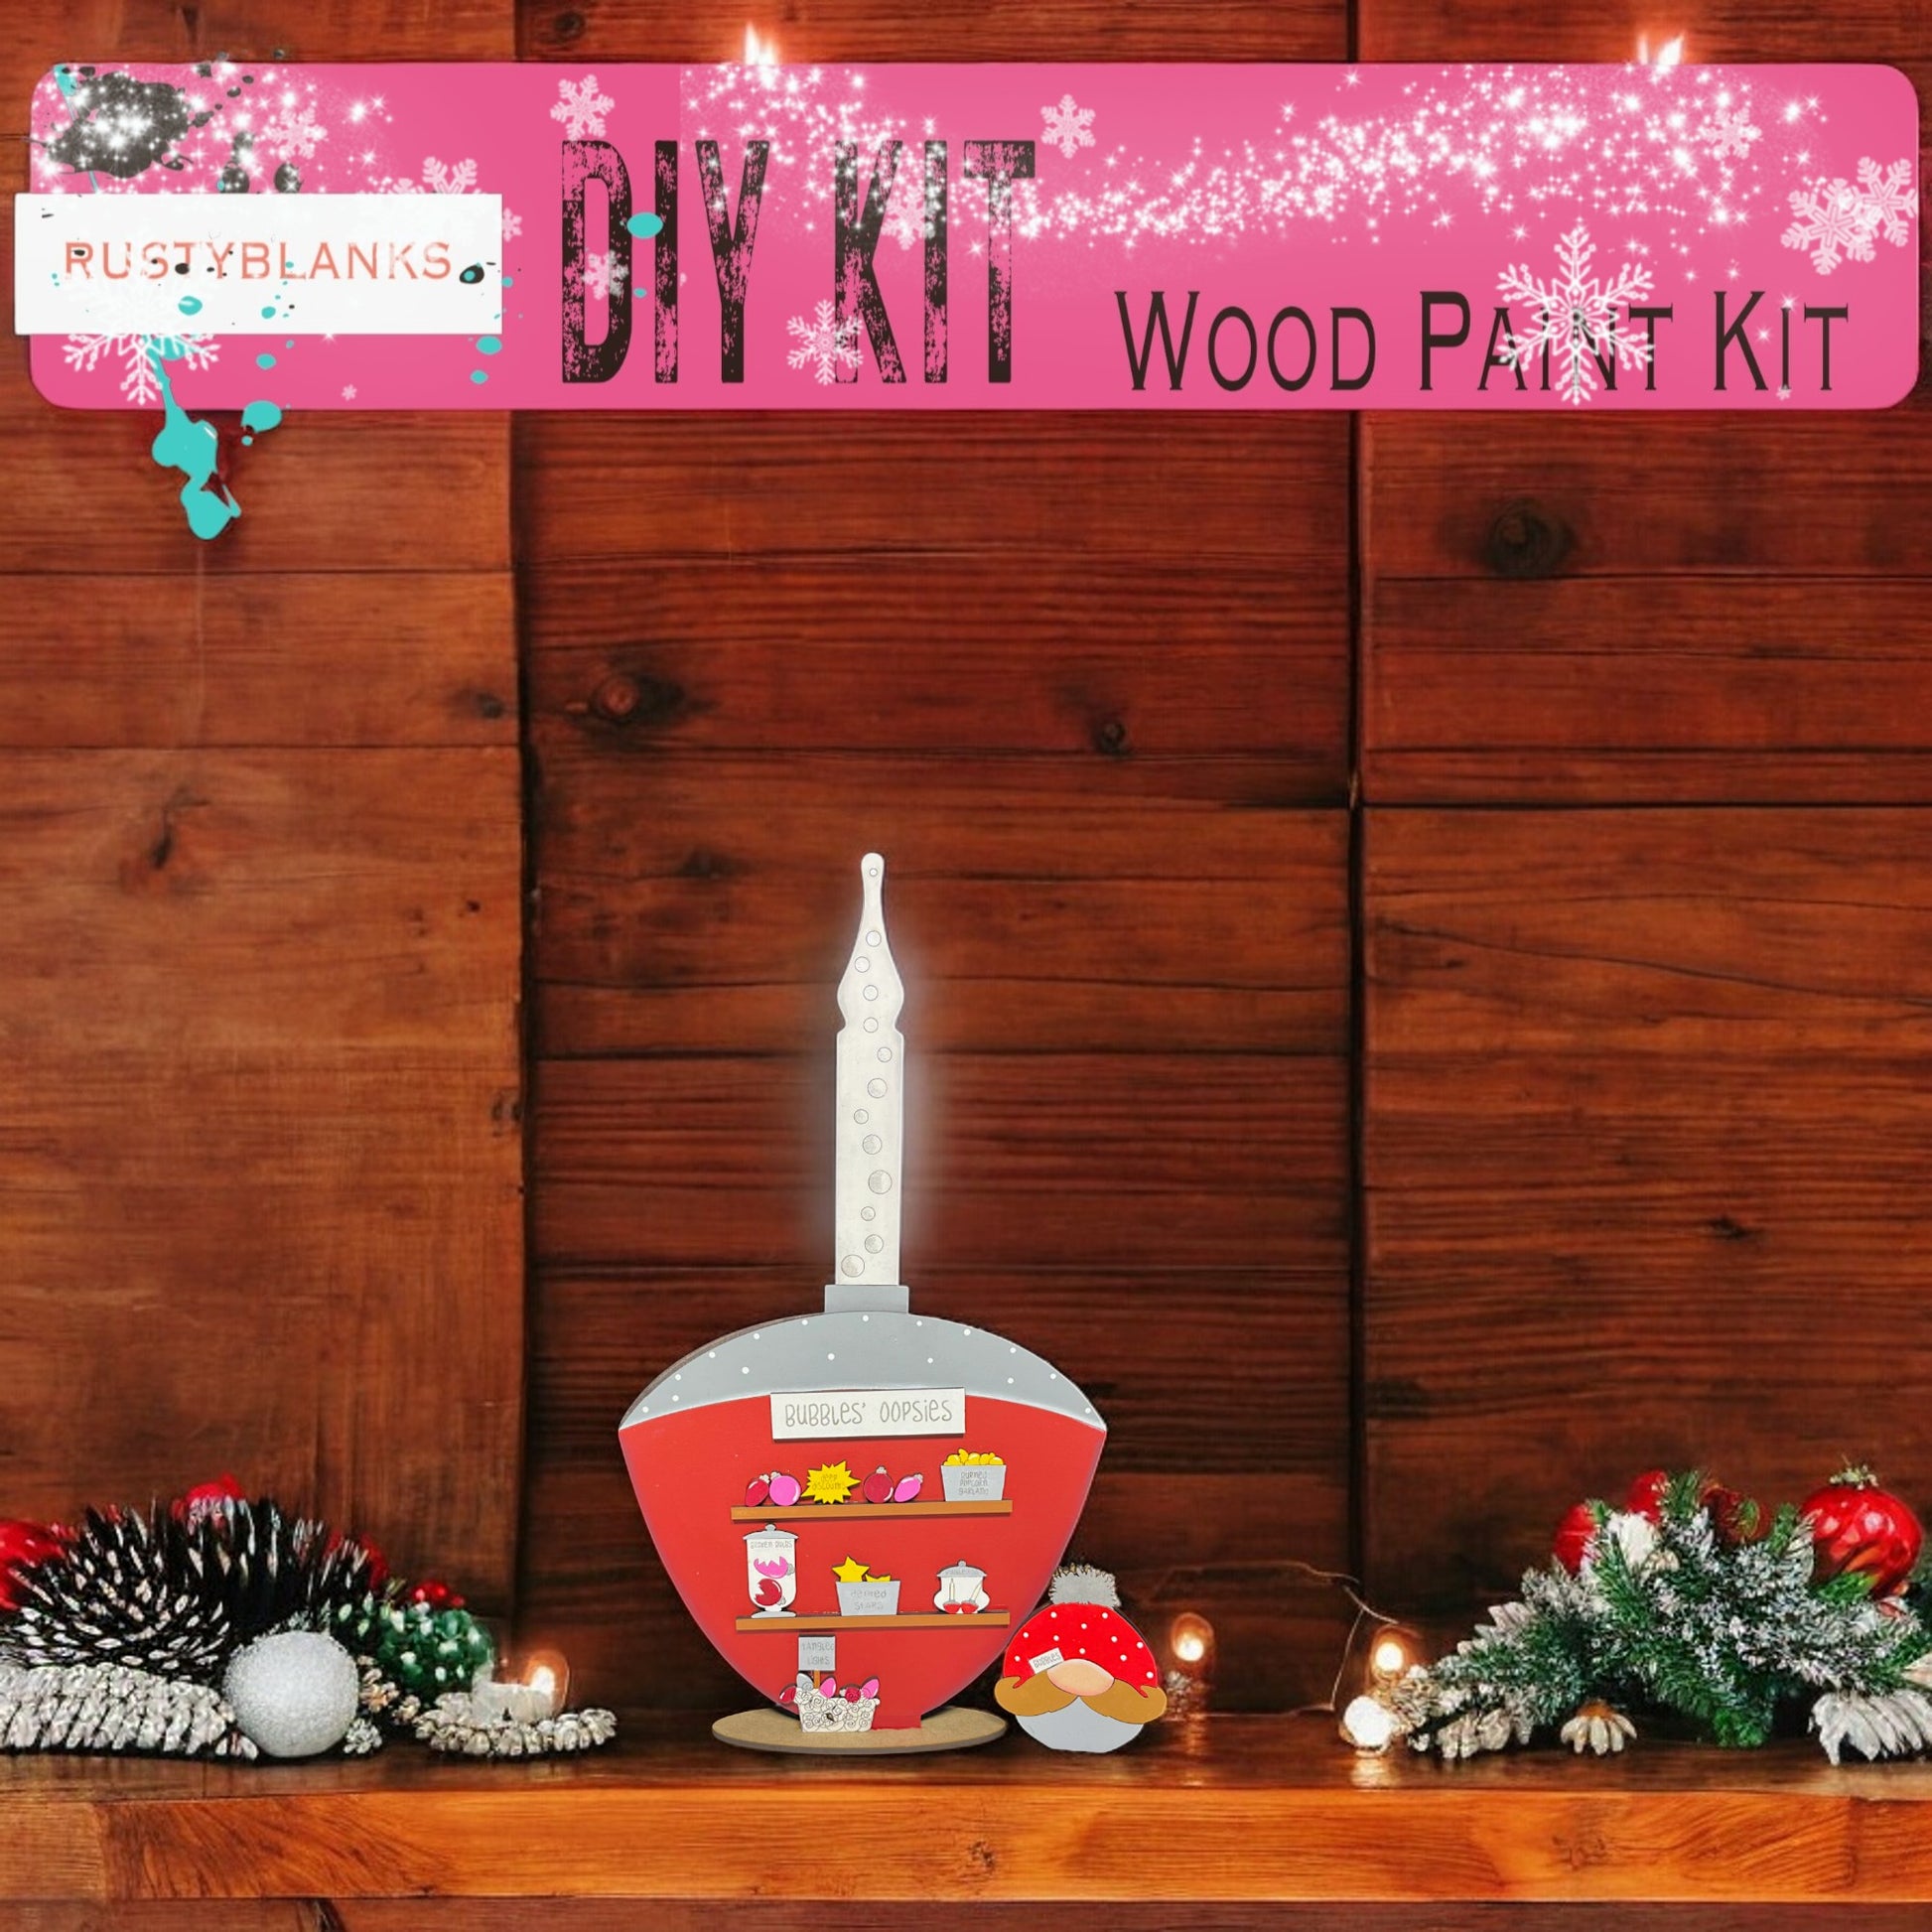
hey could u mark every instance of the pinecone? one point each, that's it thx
(106, 1707)
(177, 1594)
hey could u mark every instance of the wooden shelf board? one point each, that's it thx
(1235, 1808)
(911, 1620)
(830, 1512)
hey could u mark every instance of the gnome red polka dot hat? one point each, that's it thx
(1081, 1621)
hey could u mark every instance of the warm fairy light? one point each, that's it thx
(757, 52)
(1192, 1639)
(1670, 55)
(1390, 1657)
(543, 1681)
(1368, 1724)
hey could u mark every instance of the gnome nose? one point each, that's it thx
(1079, 1678)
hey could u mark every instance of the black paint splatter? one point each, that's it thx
(234, 176)
(121, 126)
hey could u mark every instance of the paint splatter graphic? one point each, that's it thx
(121, 126)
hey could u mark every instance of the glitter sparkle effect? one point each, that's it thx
(1700, 147)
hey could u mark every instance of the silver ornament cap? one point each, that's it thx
(293, 1694)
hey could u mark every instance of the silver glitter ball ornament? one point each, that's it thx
(293, 1694)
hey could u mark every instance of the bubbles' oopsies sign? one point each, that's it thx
(984, 236)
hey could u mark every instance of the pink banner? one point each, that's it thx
(1033, 238)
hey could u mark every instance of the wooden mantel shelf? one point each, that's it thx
(1214, 1809)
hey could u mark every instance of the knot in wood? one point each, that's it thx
(567, 27)
(616, 698)
(1527, 541)
(1110, 739)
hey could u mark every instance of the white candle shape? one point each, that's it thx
(870, 1135)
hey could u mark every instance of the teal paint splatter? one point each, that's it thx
(268, 313)
(263, 415)
(509, 280)
(190, 305)
(479, 375)
(489, 344)
(63, 79)
(264, 361)
(190, 447)
(645, 225)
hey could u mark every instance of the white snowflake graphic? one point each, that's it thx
(348, 392)
(903, 220)
(1730, 131)
(1831, 223)
(602, 275)
(1067, 127)
(1576, 313)
(293, 133)
(1887, 201)
(581, 107)
(458, 178)
(134, 355)
(825, 343)
(512, 224)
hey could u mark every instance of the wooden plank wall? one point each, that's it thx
(1107, 760)
(1644, 913)
(260, 1181)
(1646, 747)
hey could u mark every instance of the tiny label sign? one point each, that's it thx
(1046, 1660)
(818, 1653)
(813, 1413)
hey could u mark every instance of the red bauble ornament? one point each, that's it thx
(1733, 1515)
(209, 1498)
(1859, 1529)
(1572, 1537)
(22, 1545)
(436, 1593)
(1646, 1497)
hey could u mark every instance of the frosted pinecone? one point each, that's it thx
(110, 1707)
(176, 1595)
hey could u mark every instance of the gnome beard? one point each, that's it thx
(1066, 1719)
(1079, 1677)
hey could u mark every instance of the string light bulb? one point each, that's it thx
(1192, 1639)
(1392, 1653)
(1368, 1724)
(1670, 55)
(757, 52)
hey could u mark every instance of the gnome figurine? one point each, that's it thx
(1078, 1676)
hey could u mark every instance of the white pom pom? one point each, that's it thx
(1081, 1583)
(293, 1694)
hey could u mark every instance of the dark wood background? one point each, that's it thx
(1442, 909)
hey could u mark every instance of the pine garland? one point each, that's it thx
(411, 1653)
(1690, 1614)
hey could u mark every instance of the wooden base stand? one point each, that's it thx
(955, 1728)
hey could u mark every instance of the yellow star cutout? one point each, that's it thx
(851, 1570)
(830, 1485)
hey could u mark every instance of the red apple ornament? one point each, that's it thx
(1646, 1497)
(1572, 1537)
(1859, 1529)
